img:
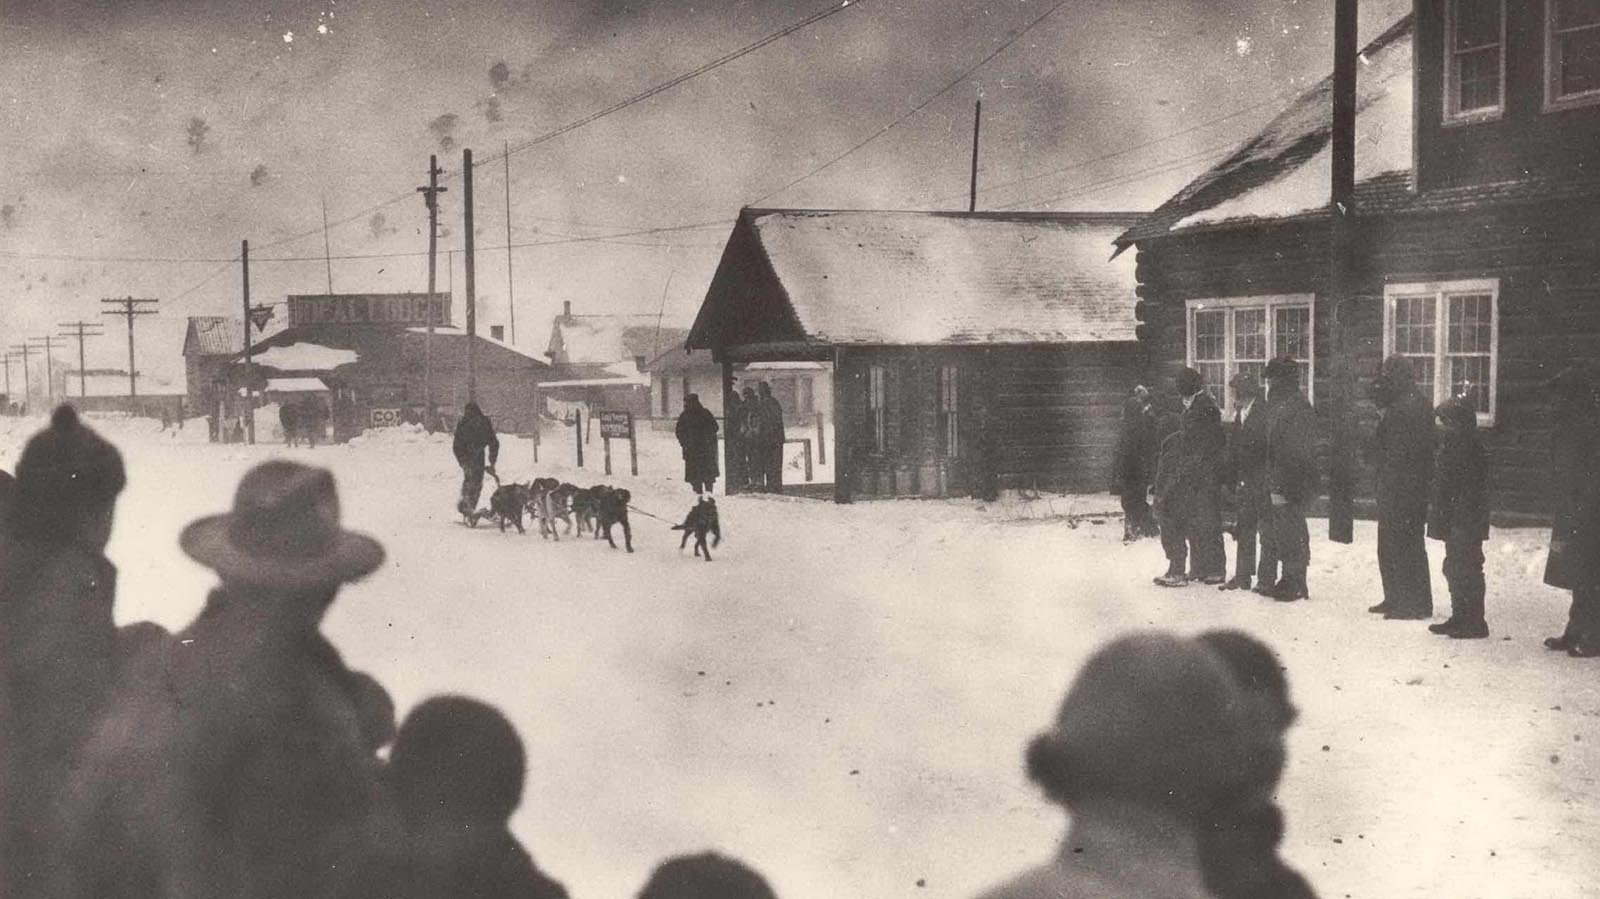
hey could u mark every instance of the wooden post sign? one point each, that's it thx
(618, 425)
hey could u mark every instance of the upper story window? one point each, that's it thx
(1474, 65)
(1240, 334)
(1572, 53)
(1451, 333)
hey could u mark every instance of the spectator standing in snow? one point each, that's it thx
(57, 637)
(697, 437)
(457, 772)
(1247, 475)
(473, 437)
(1574, 562)
(1291, 481)
(232, 762)
(1403, 451)
(1458, 514)
(1133, 467)
(1168, 522)
(1195, 501)
(705, 876)
(750, 431)
(289, 420)
(1153, 733)
(313, 420)
(1239, 839)
(771, 413)
(733, 439)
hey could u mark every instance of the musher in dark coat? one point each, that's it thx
(1574, 562)
(697, 436)
(1403, 450)
(474, 436)
(1247, 465)
(57, 637)
(1133, 468)
(1292, 480)
(1196, 503)
(232, 760)
(1458, 514)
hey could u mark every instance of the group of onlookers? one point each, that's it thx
(755, 435)
(1432, 474)
(303, 421)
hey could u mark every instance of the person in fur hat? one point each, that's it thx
(1574, 561)
(1458, 514)
(1154, 732)
(1403, 452)
(233, 761)
(457, 773)
(58, 656)
(705, 876)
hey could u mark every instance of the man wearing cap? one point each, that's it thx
(233, 760)
(474, 435)
(1195, 500)
(1403, 451)
(1291, 480)
(1247, 458)
(1574, 561)
(57, 636)
(1133, 467)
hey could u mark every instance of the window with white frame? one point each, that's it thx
(1240, 334)
(1572, 53)
(1474, 63)
(1451, 333)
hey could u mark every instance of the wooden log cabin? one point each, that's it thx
(969, 352)
(1477, 230)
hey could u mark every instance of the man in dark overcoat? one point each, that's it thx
(289, 421)
(750, 439)
(474, 436)
(1195, 491)
(233, 761)
(1133, 467)
(1247, 475)
(57, 636)
(1403, 451)
(733, 439)
(697, 437)
(1574, 561)
(1291, 480)
(771, 412)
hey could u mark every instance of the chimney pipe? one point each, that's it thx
(566, 308)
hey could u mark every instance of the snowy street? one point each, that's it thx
(842, 698)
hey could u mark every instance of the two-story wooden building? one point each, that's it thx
(1477, 223)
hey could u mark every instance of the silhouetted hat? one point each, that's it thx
(1188, 382)
(65, 470)
(1282, 368)
(705, 876)
(283, 532)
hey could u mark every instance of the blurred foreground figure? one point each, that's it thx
(235, 760)
(57, 637)
(1574, 562)
(1154, 733)
(457, 771)
(705, 876)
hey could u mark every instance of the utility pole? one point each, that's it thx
(1341, 479)
(10, 399)
(249, 367)
(977, 119)
(130, 308)
(27, 386)
(472, 297)
(327, 251)
(430, 196)
(81, 331)
(49, 345)
(511, 289)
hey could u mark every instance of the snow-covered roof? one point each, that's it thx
(304, 356)
(113, 384)
(1286, 169)
(212, 335)
(457, 333)
(601, 339)
(784, 366)
(598, 382)
(908, 278)
(295, 385)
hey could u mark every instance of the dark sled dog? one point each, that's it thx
(611, 508)
(701, 520)
(506, 505)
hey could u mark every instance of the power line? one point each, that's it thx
(1207, 155)
(919, 107)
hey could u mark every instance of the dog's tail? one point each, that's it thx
(680, 527)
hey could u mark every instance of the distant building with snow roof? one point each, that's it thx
(599, 361)
(1476, 210)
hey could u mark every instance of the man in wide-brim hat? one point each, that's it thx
(247, 717)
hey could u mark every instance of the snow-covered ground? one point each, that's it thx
(843, 696)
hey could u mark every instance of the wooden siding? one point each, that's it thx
(1546, 258)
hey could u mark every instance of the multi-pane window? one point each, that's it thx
(1572, 52)
(805, 402)
(1474, 58)
(878, 404)
(949, 401)
(1449, 331)
(1239, 335)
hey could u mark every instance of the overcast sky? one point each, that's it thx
(171, 129)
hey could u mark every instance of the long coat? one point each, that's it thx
(474, 434)
(1201, 445)
(232, 762)
(771, 414)
(1403, 450)
(1133, 466)
(1291, 447)
(1458, 510)
(1247, 459)
(1575, 529)
(697, 436)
